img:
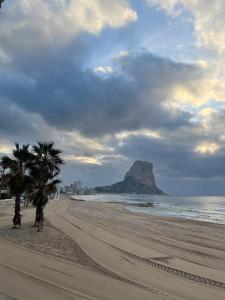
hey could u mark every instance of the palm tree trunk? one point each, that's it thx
(17, 216)
(39, 219)
(36, 218)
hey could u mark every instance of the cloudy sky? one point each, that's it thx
(112, 81)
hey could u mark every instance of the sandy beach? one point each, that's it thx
(91, 250)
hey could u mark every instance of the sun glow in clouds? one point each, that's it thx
(5, 149)
(207, 148)
(124, 135)
(83, 159)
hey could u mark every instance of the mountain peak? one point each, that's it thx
(142, 171)
(138, 180)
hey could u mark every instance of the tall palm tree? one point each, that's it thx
(45, 169)
(16, 176)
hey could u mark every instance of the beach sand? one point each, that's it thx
(92, 250)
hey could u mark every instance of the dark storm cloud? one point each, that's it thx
(50, 91)
(94, 175)
(69, 97)
(19, 125)
(174, 158)
(14, 121)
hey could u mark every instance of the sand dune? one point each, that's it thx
(101, 251)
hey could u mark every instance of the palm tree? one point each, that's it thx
(45, 169)
(16, 177)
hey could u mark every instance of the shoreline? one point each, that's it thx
(126, 205)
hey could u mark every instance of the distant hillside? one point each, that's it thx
(138, 180)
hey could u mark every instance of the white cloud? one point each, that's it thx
(30, 22)
(208, 17)
(121, 54)
(103, 70)
(209, 30)
(168, 5)
(4, 57)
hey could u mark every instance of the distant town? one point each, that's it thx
(77, 189)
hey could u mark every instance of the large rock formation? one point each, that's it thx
(142, 171)
(138, 180)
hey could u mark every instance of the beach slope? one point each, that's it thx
(100, 251)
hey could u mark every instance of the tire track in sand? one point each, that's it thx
(174, 271)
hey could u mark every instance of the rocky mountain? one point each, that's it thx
(138, 180)
(142, 171)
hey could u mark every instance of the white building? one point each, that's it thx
(77, 187)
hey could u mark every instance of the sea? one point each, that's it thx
(201, 208)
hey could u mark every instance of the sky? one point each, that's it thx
(114, 81)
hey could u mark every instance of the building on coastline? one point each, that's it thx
(77, 189)
(74, 188)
